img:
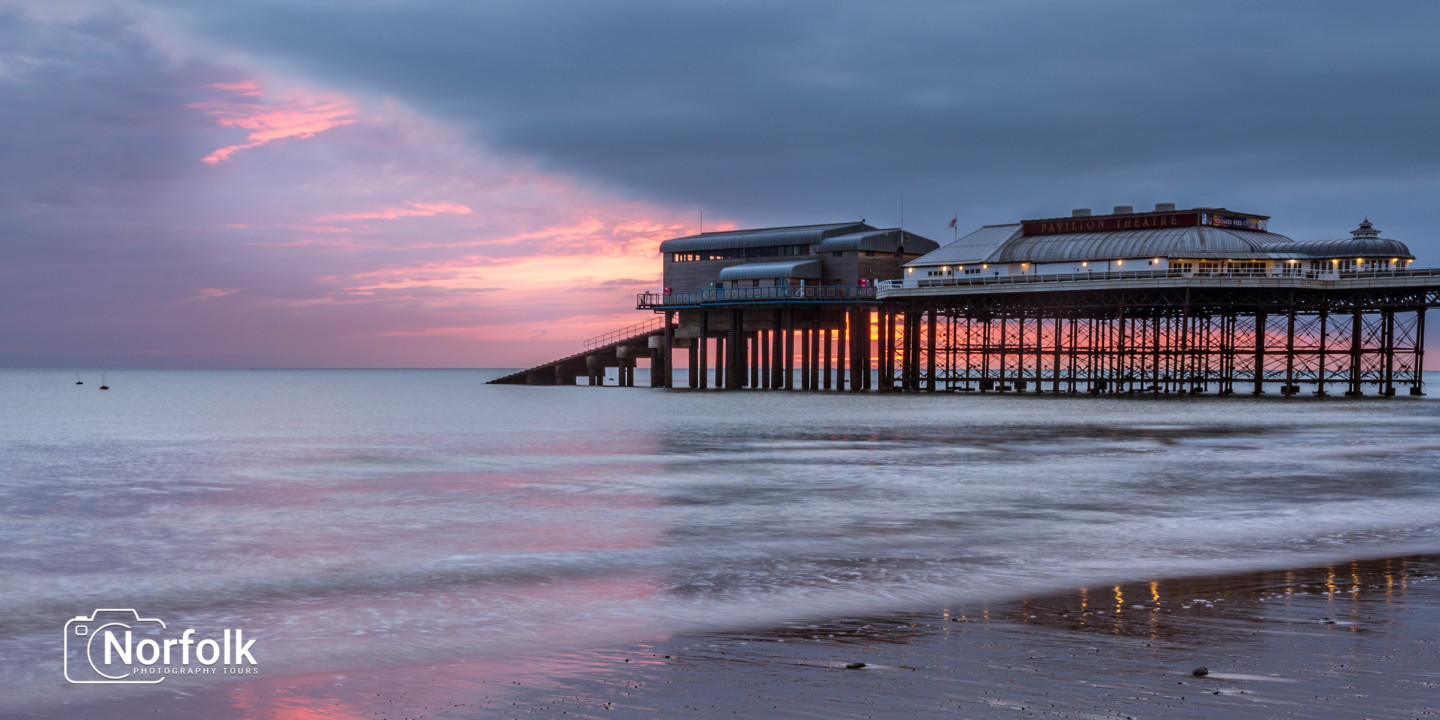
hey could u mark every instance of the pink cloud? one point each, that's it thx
(410, 209)
(299, 115)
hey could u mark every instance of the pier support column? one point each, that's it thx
(825, 338)
(700, 369)
(1324, 342)
(1388, 318)
(853, 337)
(887, 352)
(722, 362)
(841, 338)
(805, 358)
(668, 371)
(1417, 388)
(930, 350)
(693, 356)
(1357, 345)
(1260, 320)
(756, 340)
(789, 357)
(1290, 388)
(815, 349)
(777, 352)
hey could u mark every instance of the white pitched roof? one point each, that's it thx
(973, 248)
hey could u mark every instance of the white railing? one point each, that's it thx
(643, 328)
(963, 281)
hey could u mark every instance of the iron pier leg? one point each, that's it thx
(1356, 351)
(722, 362)
(789, 357)
(701, 367)
(1418, 388)
(1388, 318)
(668, 372)
(756, 342)
(1260, 321)
(805, 358)
(815, 349)
(827, 337)
(1290, 388)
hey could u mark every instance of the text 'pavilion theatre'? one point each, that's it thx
(1166, 301)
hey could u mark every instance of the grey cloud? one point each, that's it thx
(792, 112)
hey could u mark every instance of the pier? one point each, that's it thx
(1210, 302)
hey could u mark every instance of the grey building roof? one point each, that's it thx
(1197, 241)
(762, 237)
(973, 248)
(879, 241)
(1008, 244)
(1364, 241)
(808, 269)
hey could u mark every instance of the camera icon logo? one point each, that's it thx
(102, 648)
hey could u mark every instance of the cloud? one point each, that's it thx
(298, 115)
(410, 209)
(783, 113)
(343, 228)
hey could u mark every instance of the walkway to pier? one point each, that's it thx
(618, 349)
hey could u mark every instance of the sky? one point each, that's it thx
(368, 183)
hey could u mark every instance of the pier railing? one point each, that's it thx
(729, 296)
(643, 328)
(1041, 278)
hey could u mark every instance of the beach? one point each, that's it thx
(1355, 639)
(407, 544)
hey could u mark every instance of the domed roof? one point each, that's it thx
(1364, 241)
(1197, 241)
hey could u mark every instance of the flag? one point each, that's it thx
(954, 220)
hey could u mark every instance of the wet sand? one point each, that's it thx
(1354, 640)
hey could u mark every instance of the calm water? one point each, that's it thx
(362, 519)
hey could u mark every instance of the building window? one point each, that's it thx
(869, 253)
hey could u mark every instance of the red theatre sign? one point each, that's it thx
(1111, 223)
(1145, 221)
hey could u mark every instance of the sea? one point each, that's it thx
(355, 520)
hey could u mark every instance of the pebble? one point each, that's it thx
(1201, 671)
(854, 665)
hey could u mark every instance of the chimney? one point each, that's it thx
(1080, 212)
(1164, 207)
(1124, 209)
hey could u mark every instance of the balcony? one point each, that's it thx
(800, 294)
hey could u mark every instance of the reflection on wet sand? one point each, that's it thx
(1223, 605)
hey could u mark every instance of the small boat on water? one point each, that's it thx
(78, 381)
(103, 385)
